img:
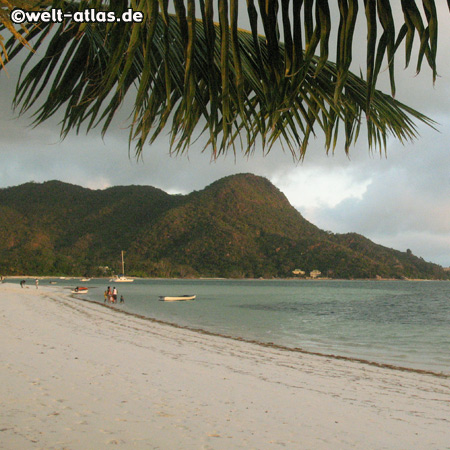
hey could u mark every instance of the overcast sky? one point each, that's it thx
(400, 201)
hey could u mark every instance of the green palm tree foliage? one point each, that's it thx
(191, 70)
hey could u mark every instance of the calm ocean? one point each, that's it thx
(392, 322)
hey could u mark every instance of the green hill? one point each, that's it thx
(239, 226)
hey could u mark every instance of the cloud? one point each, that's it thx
(406, 204)
(316, 188)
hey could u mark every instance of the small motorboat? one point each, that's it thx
(179, 298)
(80, 290)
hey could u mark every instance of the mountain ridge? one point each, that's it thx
(240, 226)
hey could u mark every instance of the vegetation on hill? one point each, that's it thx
(239, 226)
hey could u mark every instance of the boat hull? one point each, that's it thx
(80, 291)
(180, 298)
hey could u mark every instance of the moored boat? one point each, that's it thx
(178, 298)
(80, 290)
(122, 278)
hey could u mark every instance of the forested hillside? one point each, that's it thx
(240, 226)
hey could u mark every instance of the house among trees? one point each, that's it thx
(298, 272)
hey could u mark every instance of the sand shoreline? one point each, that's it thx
(266, 344)
(77, 375)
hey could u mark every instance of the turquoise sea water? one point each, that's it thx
(393, 322)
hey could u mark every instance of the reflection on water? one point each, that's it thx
(401, 323)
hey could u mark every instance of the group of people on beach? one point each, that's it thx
(111, 295)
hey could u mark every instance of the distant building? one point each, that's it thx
(298, 272)
(104, 269)
(315, 273)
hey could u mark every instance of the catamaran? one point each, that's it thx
(122, 278)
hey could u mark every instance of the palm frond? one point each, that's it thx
(6, 7)
(195, 76)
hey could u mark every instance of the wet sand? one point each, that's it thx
(78, 375)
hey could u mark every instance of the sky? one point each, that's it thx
(401, 200)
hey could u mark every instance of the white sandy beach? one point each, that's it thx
(77, 375)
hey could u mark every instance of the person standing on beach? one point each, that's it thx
(37, 283)
(22, 283)
(106, 294)
(121, 299)
(114, 295)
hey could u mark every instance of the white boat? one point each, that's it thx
(179, 298)
(121, 278)
(85, 279)
(80, 290)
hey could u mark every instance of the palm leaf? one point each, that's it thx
(196, 76)
(6, 6)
